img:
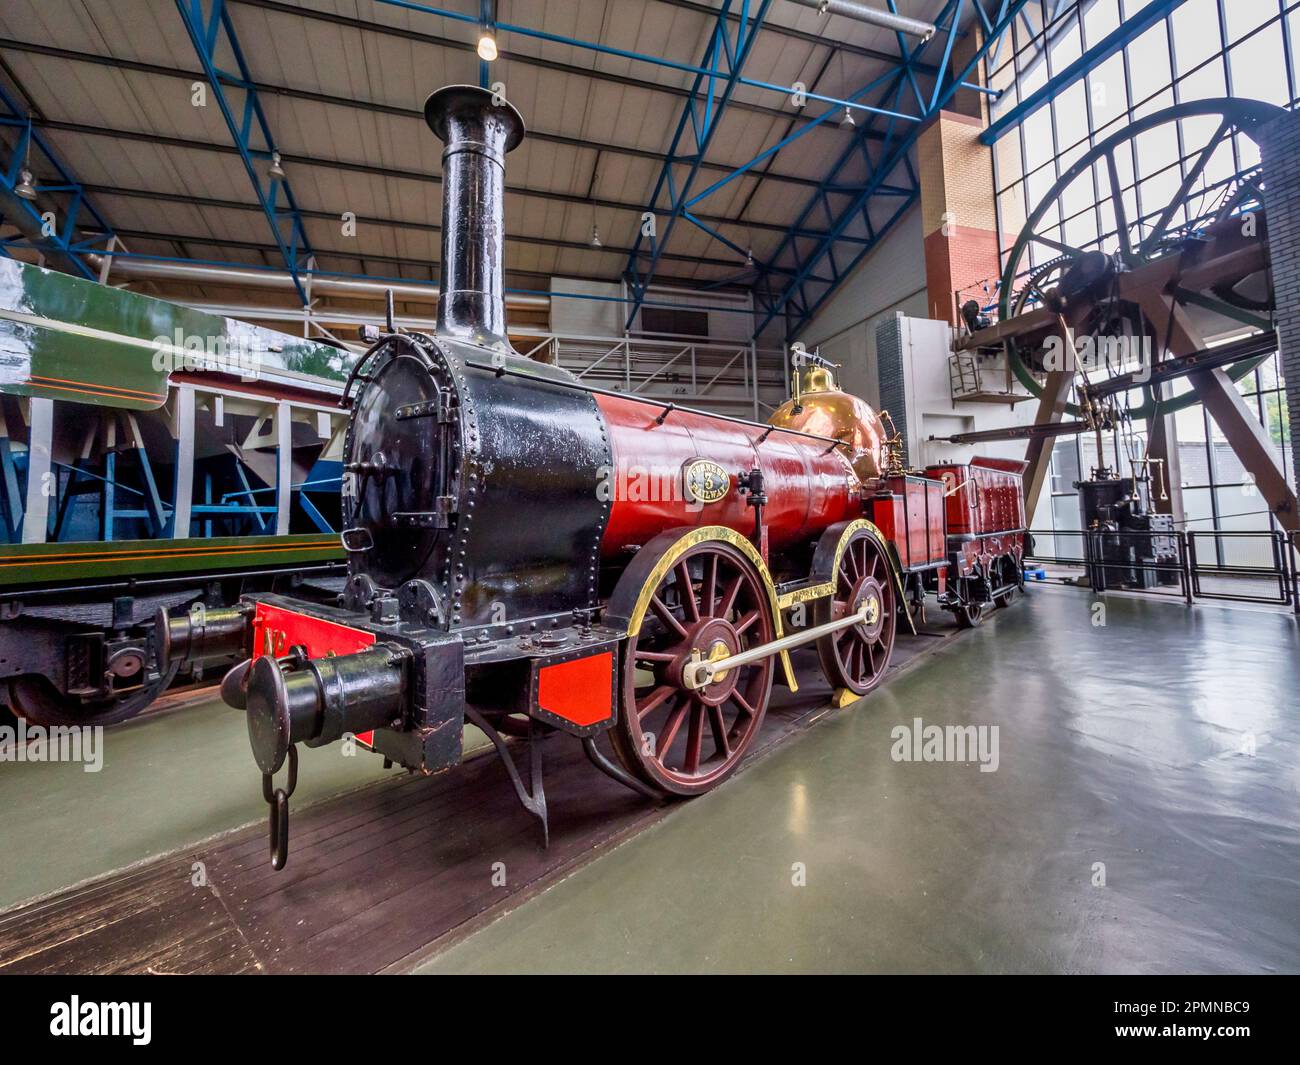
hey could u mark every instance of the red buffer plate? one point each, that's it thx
(275, 630)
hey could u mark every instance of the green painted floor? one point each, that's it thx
(168, 781)
(1124, 754)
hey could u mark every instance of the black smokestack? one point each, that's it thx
(478, 131)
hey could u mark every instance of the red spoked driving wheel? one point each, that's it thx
(713, 602)
(855, 658)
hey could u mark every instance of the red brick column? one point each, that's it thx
(957, 210)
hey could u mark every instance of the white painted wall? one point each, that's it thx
(889, 280)
(930, 407)
(587, 318)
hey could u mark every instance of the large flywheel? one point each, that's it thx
(1208, 197)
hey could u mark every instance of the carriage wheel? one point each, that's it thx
(1007, 576)
(967, 612)
(35, 698)
(686, 742)
(856, 658)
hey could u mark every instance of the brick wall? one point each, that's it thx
(1280, 151)
(958, 217)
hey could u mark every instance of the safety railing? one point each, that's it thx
(1147, 575)
(1293, 559)
(1276, 547)
(1271, 558)
(692, 371)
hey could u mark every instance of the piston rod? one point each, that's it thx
(699, 672)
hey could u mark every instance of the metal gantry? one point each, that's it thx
(845, 216)
(724, 57)
(213, 35)
(890, 187)
(64, 242)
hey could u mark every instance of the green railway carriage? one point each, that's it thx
(151, 455)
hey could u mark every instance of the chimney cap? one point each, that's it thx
(475, 101)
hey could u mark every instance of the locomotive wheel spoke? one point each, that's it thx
(654, 656)
(745, 622)
(667, 616)
(745, 706)
(655, 699)
(852, 570)
(729, 597)
(686, 592)
(709, 586)
(671, 726)
(694, 737)
(722, 745)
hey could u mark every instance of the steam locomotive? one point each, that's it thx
(530, 554)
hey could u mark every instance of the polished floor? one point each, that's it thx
(1144, 817)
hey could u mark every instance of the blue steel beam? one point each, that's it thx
(725, 59)
(1128, 31)
(82, 228)
(794, 299)
(209, 25)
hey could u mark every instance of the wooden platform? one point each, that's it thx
(378, 879)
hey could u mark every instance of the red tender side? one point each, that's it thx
(984, 496)
(909, 511)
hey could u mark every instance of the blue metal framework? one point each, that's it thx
(859, 211)
(724, 58)
(211, 30)
(82, 228)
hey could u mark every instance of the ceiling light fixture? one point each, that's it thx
(275, 170)
(25, 188)
(487, 47)
(847, 121)
(595, 237)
